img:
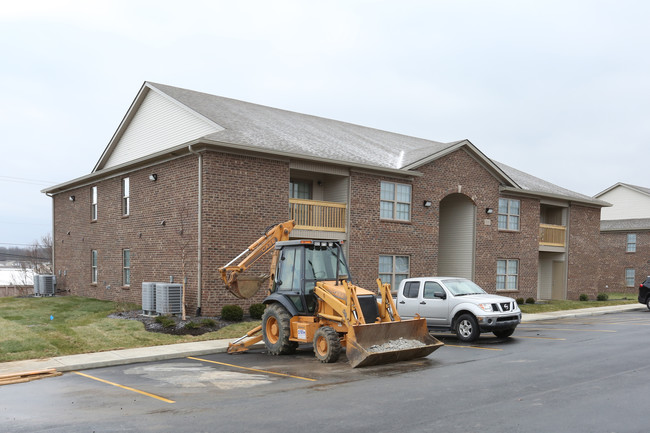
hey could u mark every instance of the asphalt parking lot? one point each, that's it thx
(581, 374)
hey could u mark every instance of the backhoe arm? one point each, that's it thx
(230, 272)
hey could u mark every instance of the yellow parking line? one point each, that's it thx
(157, 397)
(540, 338)
(472, 347)
(251, 369)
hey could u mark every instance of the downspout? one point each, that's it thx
(53, 242)
(199, 234)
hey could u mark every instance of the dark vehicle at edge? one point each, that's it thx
(644, 292)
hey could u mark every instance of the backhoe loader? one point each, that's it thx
(310, 299)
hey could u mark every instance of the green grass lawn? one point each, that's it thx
(65, 325)
(614, 299)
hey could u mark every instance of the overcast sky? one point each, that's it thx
(558, 89)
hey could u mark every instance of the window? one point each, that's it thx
(395, 201)
(126, 267)
(411, 289)
(300, 189)
(507, 274)
(431, 289)
(125, 197)
(93, 266)
(393, 269)
(629, 277)
(631, 243)
(508, 214)
(93, 203)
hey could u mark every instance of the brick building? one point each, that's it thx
(624, 238)
(189, 180)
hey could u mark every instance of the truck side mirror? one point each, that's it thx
(442, 295)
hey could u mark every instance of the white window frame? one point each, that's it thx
(126, 267)
(390, 201)
(93, 203)
(631, 243)
(509, 280)
(509, 218)
(93, 266)
(629, 277)
(126, 199)
(395, 276)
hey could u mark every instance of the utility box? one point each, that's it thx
(169, 298)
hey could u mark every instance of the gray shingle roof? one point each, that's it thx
(625, 225)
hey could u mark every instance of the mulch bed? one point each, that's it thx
(179, 328)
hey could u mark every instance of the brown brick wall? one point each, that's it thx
(614, 260)
(584, 229)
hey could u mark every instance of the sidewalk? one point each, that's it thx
(182, 350)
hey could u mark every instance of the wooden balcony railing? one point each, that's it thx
(317, 215)
(552, 235)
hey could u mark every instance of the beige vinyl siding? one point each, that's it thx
(628, 204)
(457, 233)
(158, 125)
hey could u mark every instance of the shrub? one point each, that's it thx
(232, 313)
(208, 323)
(166, 321)
(520, 301)
(602, 297)
(583, 297)
(192, 325)
(256, 311)
(530, 300)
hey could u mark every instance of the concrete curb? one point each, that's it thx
(182, 350)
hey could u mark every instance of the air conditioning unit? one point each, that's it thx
(149, 299)
(169, 298)
(44, 285)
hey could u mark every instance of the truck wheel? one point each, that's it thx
(327, 345)
(647, 303)
(467, 328)
(276, 330)
(504, 333)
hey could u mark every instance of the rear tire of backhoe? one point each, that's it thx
(276, 330)
(327, 344)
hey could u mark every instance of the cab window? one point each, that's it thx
(431, 289)
(411, 289)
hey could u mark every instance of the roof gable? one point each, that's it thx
(629, 202)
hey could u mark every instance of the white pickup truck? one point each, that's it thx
(458, 305)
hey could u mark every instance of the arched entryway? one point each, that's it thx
(457, 236)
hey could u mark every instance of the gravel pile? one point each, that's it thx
(399, 344)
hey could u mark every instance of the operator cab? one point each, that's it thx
(301, 263)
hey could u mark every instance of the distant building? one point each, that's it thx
(189, 180)
(625, 237)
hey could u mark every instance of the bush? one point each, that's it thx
(256, 311)
(208, 323)
(232, 313)
(602, 297)
(166, 321)
(583, 297)
(192, 325)
(520, 301)
(530, 300)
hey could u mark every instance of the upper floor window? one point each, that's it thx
(631, 243)
(393, 269)
(126, 197)
(126, 267)
(395, 201)
(509, 214)
(93, 203)
(300, 189)
(508, 274)
(93, 266)
(629, 277)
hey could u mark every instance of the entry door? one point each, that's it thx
(457, 232)
(559, 280)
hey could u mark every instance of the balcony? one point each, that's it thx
(317, 215)
(551, 235)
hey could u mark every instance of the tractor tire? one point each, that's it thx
(327, 345)
(504, 333)
(467, 328)
(276, 330)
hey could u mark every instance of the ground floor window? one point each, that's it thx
(393, 269)
(126, 267)
(629, 277)
(508, 274)
(93, 266)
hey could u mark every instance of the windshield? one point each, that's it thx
(321, 263)
(462, 287)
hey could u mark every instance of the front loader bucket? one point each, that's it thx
(244, 286)
(383, 343)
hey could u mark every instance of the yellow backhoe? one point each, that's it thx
(311, 300)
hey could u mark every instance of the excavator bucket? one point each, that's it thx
(244, 286)
(387, 342)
